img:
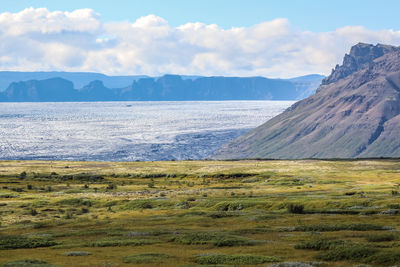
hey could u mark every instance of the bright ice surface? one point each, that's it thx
(125, 131)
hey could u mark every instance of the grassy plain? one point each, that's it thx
(198, 213)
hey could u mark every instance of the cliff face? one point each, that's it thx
(359, 57)
(355, 113)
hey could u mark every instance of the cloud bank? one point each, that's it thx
(38, 39)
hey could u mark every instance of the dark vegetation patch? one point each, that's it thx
(348, 251)
(146, 258)
(339, 227)
(251, 180)
(212, 238)
(157, 175)
(227, 187)
(75, 202)
(320, 244)
(90, 232)
(340, 211)
(296, 208)
(113, 242)
(27, 263)
(235, 259)
(385, 237)
(227, 175)
(339, 250)
(385, 258)
(223, 214)
(14, 242)
(77, 253)
(192, 213)
(256, 230)
(141, 204)
(234, 204)
(287, 180)
(8, 196)
(79, 177)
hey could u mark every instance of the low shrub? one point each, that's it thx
(8, 196)
(75, 202)
(380, 237)
(222, 214)
(235, 259)
(234, 205)
(77, 253)
(339, 227)
(351, 252)
(212, 238)
(251, 180)
(14, 242)
(145, 258)
(320, 244)
(141, 204)
(111, 186)
(229, 206)
(384, 258)
(296, 208)
(226, 175)
(119, 242)
(27, 263)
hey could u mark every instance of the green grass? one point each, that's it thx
(200, 212)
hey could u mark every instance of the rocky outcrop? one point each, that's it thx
(359, 57)
(354, 114)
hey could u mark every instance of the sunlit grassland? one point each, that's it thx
(194, 213)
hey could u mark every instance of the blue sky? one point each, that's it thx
(313, 15)
(268, 38)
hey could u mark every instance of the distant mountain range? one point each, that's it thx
(355, 113)
(80, 86)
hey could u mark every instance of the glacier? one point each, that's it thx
(126, 131)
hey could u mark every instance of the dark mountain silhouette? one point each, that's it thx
(167, 87)
(173, 87)
(97, 91)
(355, 113)
(79, 79)
(55, 89)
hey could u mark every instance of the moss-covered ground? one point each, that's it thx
(198, 213)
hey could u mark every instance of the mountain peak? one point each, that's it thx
(359, 57)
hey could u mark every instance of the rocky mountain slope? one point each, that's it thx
(354, 114)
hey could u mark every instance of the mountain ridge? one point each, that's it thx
(354, 116)
(165, 88)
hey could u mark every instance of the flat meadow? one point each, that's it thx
(200, 213)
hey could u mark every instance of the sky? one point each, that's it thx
(271, 38)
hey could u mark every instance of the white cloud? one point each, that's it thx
(37, 39)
